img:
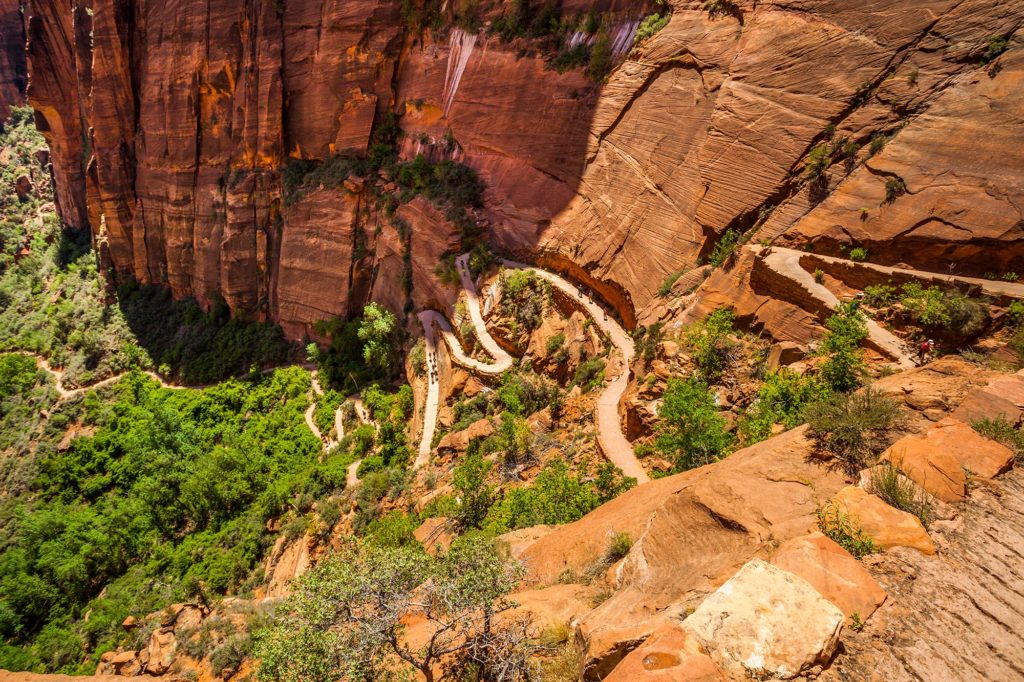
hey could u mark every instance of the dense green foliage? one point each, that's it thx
(944, 310)
(781, 399)
(711, 344)
(199, 347)
(556, 496)
(167, 499)
(844, 363)
(524, 297)
(690, 431)
(361, 351)
(53, 299)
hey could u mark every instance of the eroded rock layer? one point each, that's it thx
(171, 125)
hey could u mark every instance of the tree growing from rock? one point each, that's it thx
(349, 617)
(691, 431)
(377, 332)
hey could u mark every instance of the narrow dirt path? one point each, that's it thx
(610, 438)
(786, 262)
(65, 393)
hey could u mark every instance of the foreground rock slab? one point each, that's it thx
(887, 526)
(671, 653)
(833, 572)
(936, 470)
(766, 622)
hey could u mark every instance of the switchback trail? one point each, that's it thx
(610, 438)
(786, 262)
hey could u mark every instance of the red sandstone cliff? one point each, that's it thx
(13, 71)
(170, 124)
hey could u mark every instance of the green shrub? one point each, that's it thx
(475, 496)
(710, 343)
(724, 248)
(994, 46)
(782, 399)
(600, 63)
(690, 431)
(555, 497)
(619, 545)
(895, 187)
(858, 254)
(818, 161)
(718, 8)
(666, 287)
(853, 427)
(900, 492)
(524, 297)
(554, 343)
(844, 364)
(879, 295)
(948, 310)
(589, 375)
(651, 24)
(844, 531)
(394, 529)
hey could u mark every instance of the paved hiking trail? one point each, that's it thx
(610, 438)
(786, 262)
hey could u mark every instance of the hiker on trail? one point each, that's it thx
(923, 350)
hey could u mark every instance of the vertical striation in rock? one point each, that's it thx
(13, 70)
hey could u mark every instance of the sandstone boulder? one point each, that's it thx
(435, 533)
(982, 456)
(161, 649)
(833, 572)
(887, 526)
(784, 353)
(934, 469)
(460, 440)
(23, 187)
(766, 622)
(670, 654)
(1002, 396)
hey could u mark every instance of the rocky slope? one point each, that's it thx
(170, 130)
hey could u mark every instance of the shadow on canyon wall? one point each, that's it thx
(171, 133)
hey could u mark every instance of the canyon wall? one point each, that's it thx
(13, 71)
(172, 125)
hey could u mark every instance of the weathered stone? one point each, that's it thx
(460, 440)
(932, 468)
(833, 572)
(765, 621)
(435, 534)
(783, 354)
(670, 654)
(981, 456)
(887, 526)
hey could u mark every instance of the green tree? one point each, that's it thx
(377, 332)
(709, 340)
(690, 430)
(346, 618)
(475, 495)
(844, 362)
(780, 400)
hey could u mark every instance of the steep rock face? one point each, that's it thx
(13, 70)
(190, 116)
(960, 167)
